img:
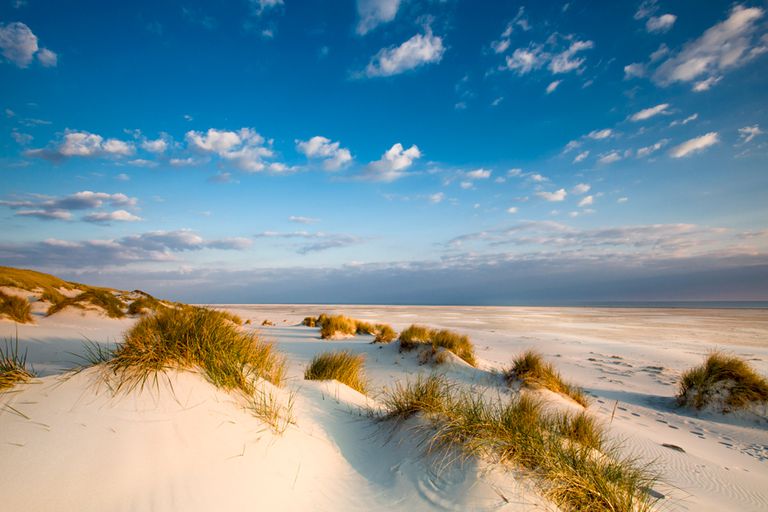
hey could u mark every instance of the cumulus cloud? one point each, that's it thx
(609, 158)
(333, 156)
(587, 201)
(650, 112)
(723, 47)
(660, 23)
(114, 216)
(83, 144)
(749, 132)
(44, 214)
(557, 59)
(60, 208)
(478, 174)
(556, 196)
(155, 145)
(634, 70)
(512, 209)
(695, 145)
(244, 148)
(706, 84)
(314, 241)
(566, 60)
(581, 188)
(19, 46)
(600, 134)
(437, 197)
(417, 51)
(393, 163)
(372, 13)
(580, 157)
(648, 150)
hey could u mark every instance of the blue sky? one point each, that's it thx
(389, 151)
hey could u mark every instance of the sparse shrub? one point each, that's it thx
(335, 325)
(725, 379)
(195, 337)
(364, 327)
(531, 369)
(13, 366)
(413, 336)
(100, 297)
(309, 321)
(344, 367)
(384, 334)
(15, 308)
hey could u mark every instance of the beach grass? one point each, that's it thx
(16, 308)
(144, 305)
(722, 378)
(13, 365)
(420, 336)
(531, 369)
(103, 298)
(265, 405)
(342, 366)
(384, 333)
(336, 325)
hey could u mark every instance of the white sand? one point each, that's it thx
(77, 447)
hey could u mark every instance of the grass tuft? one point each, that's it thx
(344, 367)
(267, 407)
(13, 366)
(384, 334)
(531, 369)
(336, 325)
(565, 452)
(414, 336)
(99, 297)
(146, 304)
(15, 308)
(727, 380)
(191, 337)
(420, 336)
(309, 321)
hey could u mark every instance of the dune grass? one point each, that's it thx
(103, 298)
(191, 337)
(566, 453)
(343, 366)
(362, 327)
(15, 308)
(266, 406)
(335, 325)
(419, 336)
(144, 305)
(309, 321)
(52, 295)
(531, 369)
(727, 379)
(31, 280)
(384, 333)
(13, 365)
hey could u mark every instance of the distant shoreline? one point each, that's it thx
(607, 304)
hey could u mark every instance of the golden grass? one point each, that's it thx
(362, 327)
(31, 280)
(15, 308)
(309, 321)
(13, 366)
(103, 298)
(384, 333)
(266, 406)
(191, 337)
(144, 305)
(413, 336)
(335, 325)
(343, 366)
(730, 378)
(420, 336)
(531, 369)
(565, 453)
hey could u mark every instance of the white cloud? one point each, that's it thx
(393, 163)
(436, 198)
(538, 178)
(587, 201)
(258, 7)
(155, 146)
(245, 148)
(515, 172)
(524, 60)
(45, 214)
(60, 208)
(600, 134)
(552, 86)
(83, 144)
(115, 216)
(650, 112)
(646, 8)
(314, 242)
(558, 195)
(685, 121)
(706, 84)
(565, 61)
(622, 200)
(122, 177)
(724, 46)
(749, 132)
(661, 23)
(580, 157)
(648, 150)
(466, 185)
(694, 145)
(634, 70)
(373, 13)
(333, 156)
(19, 45)
(581, 188)
(417, 51)
(519, 20)
(512, 209)
(478, 174)
(609, 158)
(142, 162)
(303, 220)
(500, 46)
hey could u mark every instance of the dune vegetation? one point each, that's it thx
(344, 366)
(191, 337)
(726, 381)
(567, 454)
(15, 308)
(433, 339)
(384, 333)
(102, 298)
(13, 366)
(532, 371)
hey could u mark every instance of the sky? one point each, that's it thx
(388, 151)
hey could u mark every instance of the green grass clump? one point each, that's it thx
(344, 367)
(13, 366)
(335, 325)
(729, 378)
(420, 336)
(191, 337)
(384, 333)
(15, 308)
(414, 336)
(565, 453)
(103, 298)
(531, 369)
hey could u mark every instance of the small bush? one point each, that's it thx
(13, 366)
(195, 337)
(531, 369)
(413, 336)
(100, 297)
(384, 334)
(15, 308)
(727, 379)
(335, 325)
(344, 367)
(309, 321)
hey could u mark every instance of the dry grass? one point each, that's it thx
(414, 336)
(15, 308)
(335, 325)
(103, 298)
(565, 453)
(191, 337)
(344, 367)
(384, 334)
(30, 280)
(309, 321)
(420, 336)
(13, 366)
(362, 327)
(144, 305)
(266, 406)
(531, 369)
(727, 378)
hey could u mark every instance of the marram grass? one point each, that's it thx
(420, 336)
(13, 365)
(531, 369)
(343, 366)
(15, 308)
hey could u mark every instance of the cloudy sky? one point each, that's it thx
(389, 151)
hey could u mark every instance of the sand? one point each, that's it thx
(67, 443)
